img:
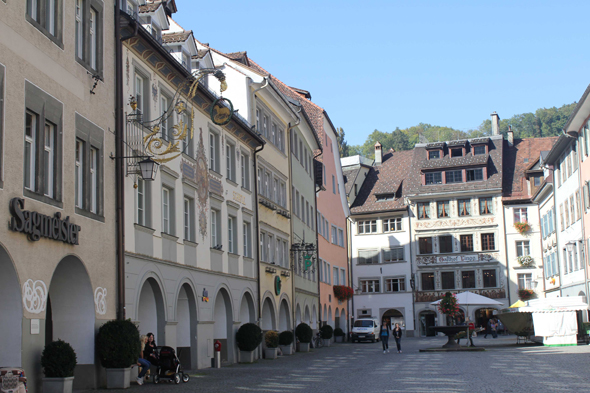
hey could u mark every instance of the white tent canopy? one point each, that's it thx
(471, 299)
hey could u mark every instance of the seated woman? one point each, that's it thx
(142, 362)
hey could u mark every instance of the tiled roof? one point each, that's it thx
(522, 157)
(200, 54)
(350, 176)
(150, 7)
(181, 36)
(388, 178)
(448, 162)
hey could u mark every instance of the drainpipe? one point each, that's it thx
(253, 95)
(350, 277)
(506, 255)
(317, 238)
(257, 231)
(412, 269)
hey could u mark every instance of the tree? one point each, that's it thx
(342, 145)
(400, 140)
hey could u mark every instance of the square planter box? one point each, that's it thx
(286, 349)
(58, 385)
(271, 353)
(246, 356)
(118, 378)
(303, 347)
(327, 342)
(339, 339)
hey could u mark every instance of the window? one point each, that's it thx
(342, 277)
(335, 276)
(457, 152)
(466, 243)
(423, 210)
(232, 235)
(368, 257)
(464, 207)
(88, 168)
(561, 217)
(214, 151)
(446, 244)
(265, 126)
(578, 206)
(333, 184)
(427, 281)
(522, 248)
(334, 235)
(468, 279)
(93, 180)
(141, 202)
(141, 88)
(340, 237)
(46, 15)
(392, 224)
(88, 20)
(79, 171)
(447, 280)
(537, 181)
(486, 206)
(216, 228)
(166, 210)
(489, 278)
(487, 242)
(367, 226)
(474, 174)
(370, 286)
(454, 176)
(572, 210)
(395, 285)
(442, 209)
(283, 201)
(520, 214)
(479, 150)
(525, 281)
(433, 178)
(245, 164)
(247, 234)
(433, 154)
(188, 215)
(230, 157)
(42, 164)
(167, 129)
(425, 245)
(393, 255)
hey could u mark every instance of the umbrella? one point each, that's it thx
(518, 304)
(471, 299)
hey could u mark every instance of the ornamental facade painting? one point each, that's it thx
(202, 180)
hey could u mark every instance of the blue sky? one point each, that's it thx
(387, 64)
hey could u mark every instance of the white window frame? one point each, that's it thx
(79, 11)
(93, 37)
(523, 248)
(187, 219)
(231, 234)
(31, 143)
(48, 159)
(166, 210)
(79, 185)
(390, 223)
(94, 180)
(370, 286)
(141, 201)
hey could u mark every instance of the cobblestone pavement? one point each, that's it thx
(362, 368)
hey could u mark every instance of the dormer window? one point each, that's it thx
(479, 150)
(433, 178)
(475, 174)
(457, 152)
(186, 61)
(434, 154)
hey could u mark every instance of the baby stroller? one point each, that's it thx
(13, 380)
(169, 367)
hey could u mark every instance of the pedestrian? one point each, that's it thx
(488, 328)
(142, 362)
(397, 334)
(494, 328)
(151, 349)
(384, 335)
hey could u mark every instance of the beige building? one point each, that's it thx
(57, 255)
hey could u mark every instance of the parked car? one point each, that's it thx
(365, 329)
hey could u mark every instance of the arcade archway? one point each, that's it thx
(151, 313)
(11, 311)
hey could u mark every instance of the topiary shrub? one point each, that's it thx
(304, 333)
(117, 344)
(327, 332)
(286, 338)
(58, 360)
(271, 339)
(248, 337)
(338, 332)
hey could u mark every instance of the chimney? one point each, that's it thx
(378, 154)
(510, 136)
(495, 124)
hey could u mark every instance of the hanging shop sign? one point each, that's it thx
(221, 111)
(307, 259)
(37, 225)
(277, 285)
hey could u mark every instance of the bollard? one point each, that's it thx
(217, 354)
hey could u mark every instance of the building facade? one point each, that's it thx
(57, 253)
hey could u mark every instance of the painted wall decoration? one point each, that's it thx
(34, 296)
(100, 300)
(202, 179)
(127, 68)
(455, 223)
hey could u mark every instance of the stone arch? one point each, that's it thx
(268, 320)
(307, 316)
(247, 308)
(223, 326)
(329, 321)
(284, 316)
(336, 318)
(394, 316)
(151, 308)
(70, 314)
(11, 311)
(314, 317)
(482, 315)
(186, 328)
(324, 317)
(298, 315)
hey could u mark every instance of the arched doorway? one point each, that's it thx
(324, 317)
(268, 315)
(223, 328)
(336, 318)
(11, 312)
(394, 316)
(329, 320)
(186, 330)
(70, 312)
(297, 315)
(247, 311)
(307, 317)
(284, 317)
(151, 313)
(314, 318)
(427, 320)
(482, 316)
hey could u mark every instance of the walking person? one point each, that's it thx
(397, 334)
(488, 328)
(384, 335)
(494, 327)
(142, 362)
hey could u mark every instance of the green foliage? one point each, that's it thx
(304, 333)
(327, 332)
(248, 337)
(286, 337)
(338, 332)
(58, 360)
(117, 344)
(271, 339)
(342, 144)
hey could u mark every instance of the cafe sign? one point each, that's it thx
(37, 225)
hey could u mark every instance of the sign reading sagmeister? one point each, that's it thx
(37, 225)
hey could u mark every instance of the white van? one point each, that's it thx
(365, 329)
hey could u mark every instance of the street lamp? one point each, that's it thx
(148, 168)
(570, 246)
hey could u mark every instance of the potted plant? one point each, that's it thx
(327, 332)
(248, 338)
(526, 294)
(118, 347)
(285, 342)
(271, 340)
(343, 292)
(522, 227)
(338, 335)
(448, 305)
(58, 361)
(526, 261)
(304, 335)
